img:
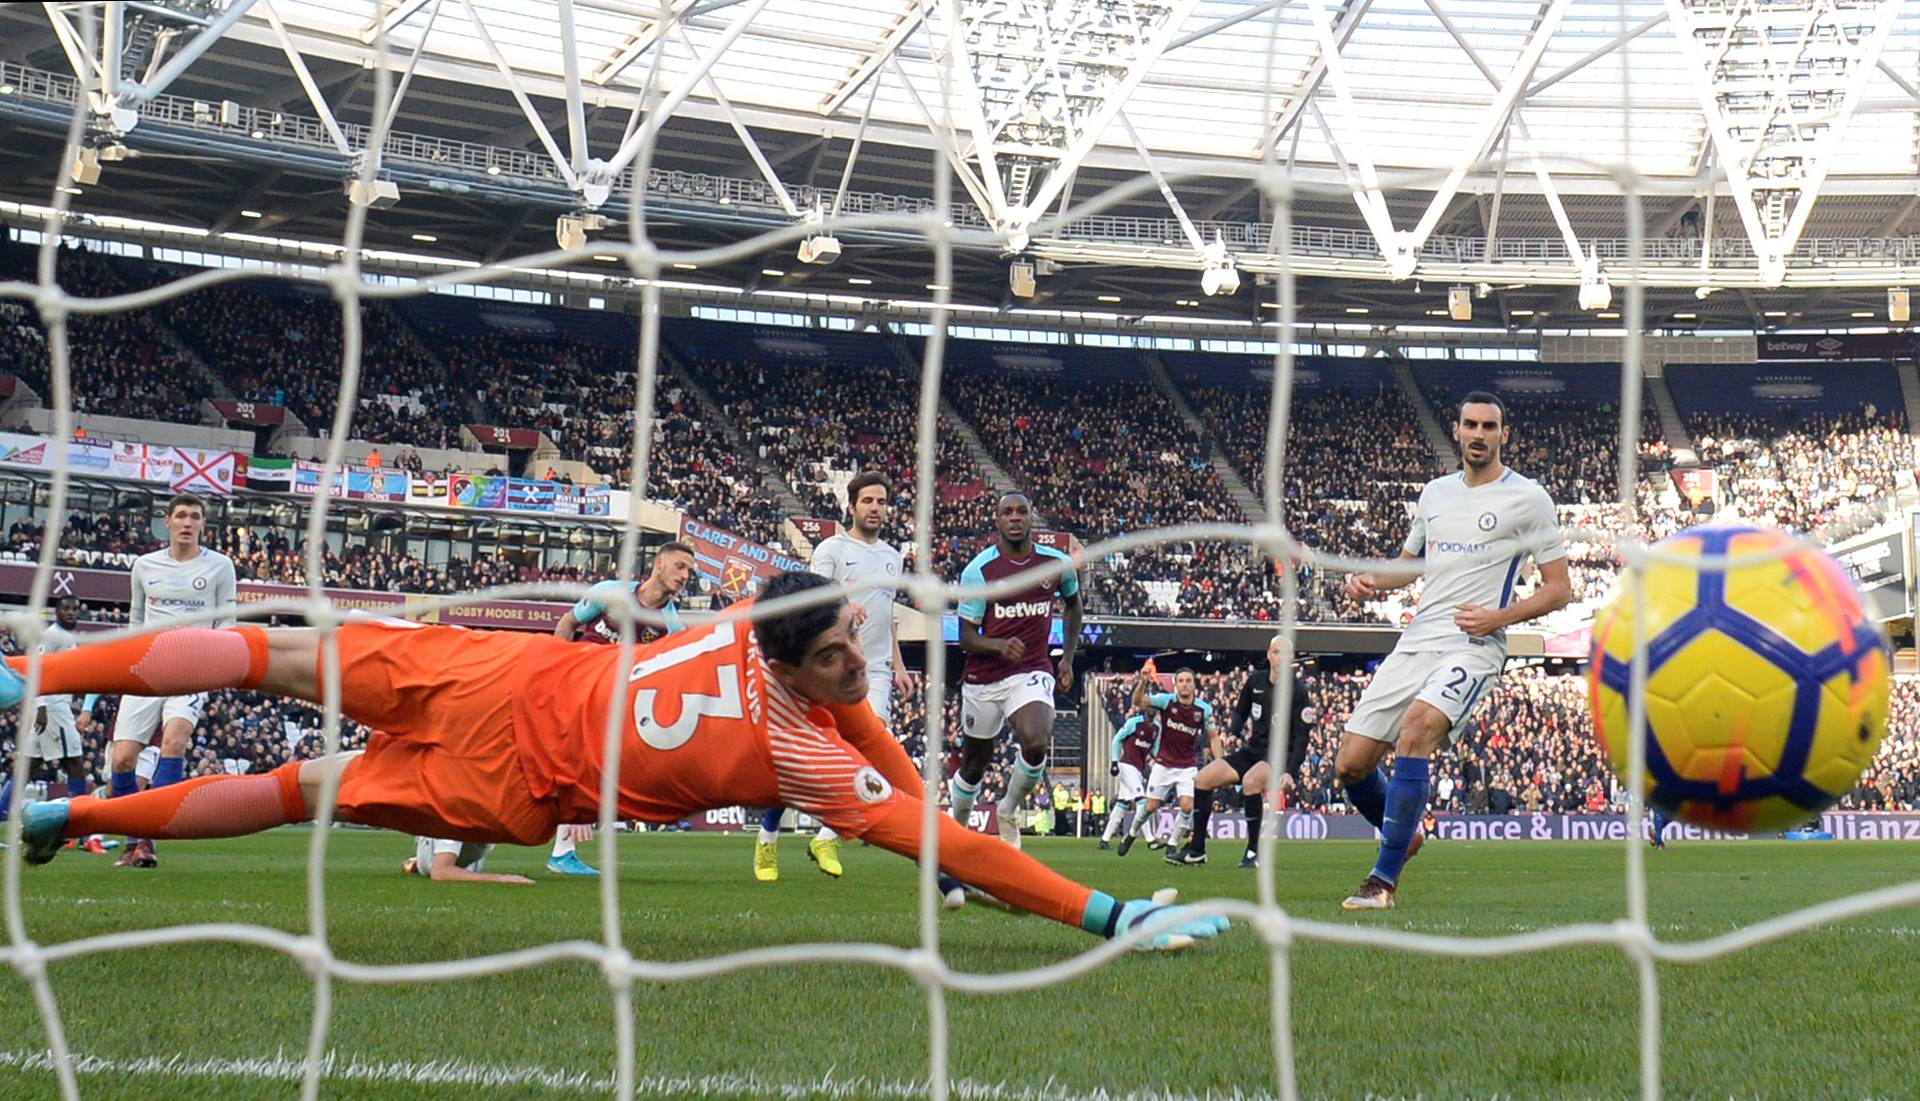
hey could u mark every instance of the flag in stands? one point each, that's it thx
(205, 472)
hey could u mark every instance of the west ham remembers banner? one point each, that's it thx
(733, 564)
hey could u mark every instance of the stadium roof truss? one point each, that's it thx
(1239, 115)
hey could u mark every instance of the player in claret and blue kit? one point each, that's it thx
(1133, 746)
(1009, 680)
(1185, 719)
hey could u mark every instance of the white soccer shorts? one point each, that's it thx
(470, 855)
(985, 708)
(1163, 782)
(1452, 681)
(141, 717)
(1128, 785)
(60, 738)
(880, 693)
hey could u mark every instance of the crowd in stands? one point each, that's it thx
(1807, 472)
(818, 426)
(120, 364)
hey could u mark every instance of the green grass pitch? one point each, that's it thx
(1826, 1014)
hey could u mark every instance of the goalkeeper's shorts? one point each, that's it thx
(442, 761)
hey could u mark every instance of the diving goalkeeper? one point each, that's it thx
(494, 736)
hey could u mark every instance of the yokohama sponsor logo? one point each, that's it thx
(1023, 609)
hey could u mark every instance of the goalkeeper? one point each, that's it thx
(493, 736)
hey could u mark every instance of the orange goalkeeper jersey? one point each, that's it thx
(703, 723)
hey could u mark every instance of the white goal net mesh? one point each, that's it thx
(625, 964)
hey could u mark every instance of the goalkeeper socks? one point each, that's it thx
(1369, 797)
(1202, 814)
(825, 833)
(207, 806)
(1406, 802)
(122, 783)
(1255, 808)
(170, 770)
(178, 662)
(961, 795)
(770, 824)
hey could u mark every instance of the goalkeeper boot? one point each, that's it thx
(1374, 894)
(40, 828)
(571, 864)
(766, 861)
(825, 852)
(12, 688)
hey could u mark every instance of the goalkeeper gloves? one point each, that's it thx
(1181, 935)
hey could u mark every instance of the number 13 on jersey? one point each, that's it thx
(725, 702)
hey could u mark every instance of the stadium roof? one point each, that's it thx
(1536, 100)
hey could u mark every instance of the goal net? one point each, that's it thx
(624, 963)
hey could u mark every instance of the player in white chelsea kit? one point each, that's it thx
(1473, 529)
(58, 734)
(850, 557)
(446, 861)
(180, 580)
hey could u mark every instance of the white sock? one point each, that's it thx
(1143, 824)
(562, 843)
(826, 834)
(1113, 822)
(1182, 825)
(960, 796)
(768, 837)
(1020, 784)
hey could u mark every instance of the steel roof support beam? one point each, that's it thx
(191, 52)
(905, 24)
(1549, 81)
(630, 148)
(943, 139)
(1254, 12)
(570, 70)
(1543, 30)
(397, 13)
(739, 128)
(853, 154)
(560, 162)
(1309, 83)
(1777, 119)
(642, 38)
(406, 78)
(314, 97)
(1166, 190)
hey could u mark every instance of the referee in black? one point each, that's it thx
(1247, 766)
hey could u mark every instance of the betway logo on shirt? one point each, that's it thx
(1183, 728)
(1023, 608)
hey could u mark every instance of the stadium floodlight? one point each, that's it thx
(1595, 292)
(1219, 276)
(818, 248)
(1020, 278)
(86, 167)
(1460, 303)
(1704, 293)
(375, 194)
(1899, 306)
(572, 229)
